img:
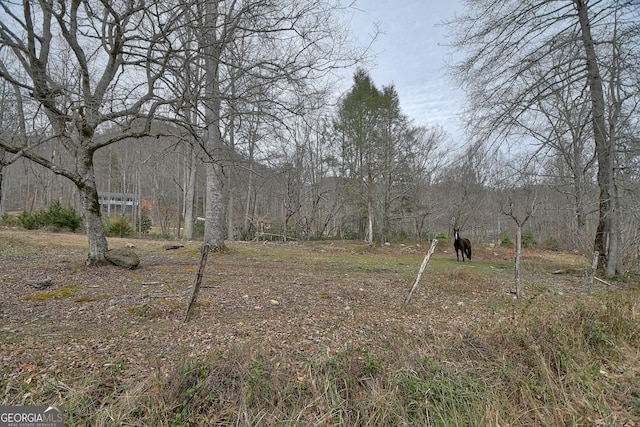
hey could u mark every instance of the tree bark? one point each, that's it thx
(189, 192)
(95, 233)
(1, 187)
(607, 233)
(213, 235)
(213, 226)
(516, 268)
(370, 209)
(91, 211)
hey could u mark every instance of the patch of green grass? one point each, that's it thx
(159, 307)
(144, 310)
(16, 251)
(64, 292)
(446, 397)
(92, 298)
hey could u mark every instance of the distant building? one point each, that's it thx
(118, 202)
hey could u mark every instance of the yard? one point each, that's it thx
(315, 333)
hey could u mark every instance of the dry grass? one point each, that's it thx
(64, 292)
(337, 347)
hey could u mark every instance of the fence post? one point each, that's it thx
(422, 268)
(594, 267)
(198, 279)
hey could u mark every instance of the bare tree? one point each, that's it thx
(467, 178)
(508, 71)
(419, 202)
(82, 66)
(313, 156)
(519, 209)
(288, 48)
(184, 80)
(519, 202)
(6, 122)
(559, 127)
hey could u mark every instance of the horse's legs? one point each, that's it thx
(461, 253)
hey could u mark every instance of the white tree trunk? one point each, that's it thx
(517, 261)
(214, 222)
(189, 193)
(213, 230)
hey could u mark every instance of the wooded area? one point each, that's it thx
(217, 120)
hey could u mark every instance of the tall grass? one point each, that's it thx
(550, 359)
(575, 366)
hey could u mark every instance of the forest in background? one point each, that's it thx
(225, 112)
(264, 191)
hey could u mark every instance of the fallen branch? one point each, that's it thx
(422, 268)
(170, 247)
(602, 281)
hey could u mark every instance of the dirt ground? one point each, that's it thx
(298, 298)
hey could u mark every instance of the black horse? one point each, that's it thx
(461, 244)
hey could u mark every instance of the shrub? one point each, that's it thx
(118, 228)
(552, 244)
(198, 229)
(506, 242)
(443, 236)
(145, 224)
(10, 220)
(54, 215)
(60, 217)
(29, 220)
(527, 240)
(401, 235)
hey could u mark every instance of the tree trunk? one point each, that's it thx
(248, 213)
(229, 189)
(93, 221)
(517, 261)
(386, 207)
(230, 212)
(2, 169)
(190, 192)
(214, 218)
(607, 233)
(213, 233)
(370, 211)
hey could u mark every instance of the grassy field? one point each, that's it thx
(315, 334)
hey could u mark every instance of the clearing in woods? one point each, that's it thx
(283, 306)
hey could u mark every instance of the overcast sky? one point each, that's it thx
(411, 54)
